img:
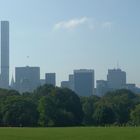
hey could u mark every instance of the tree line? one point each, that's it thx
(50, 106)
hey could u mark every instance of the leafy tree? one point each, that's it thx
(121, 101)
(89, 106)
(43, 90)
(135, 115)
(5, 93)
(45, 107)
(103, 114)
(18, 111)
(61, 107)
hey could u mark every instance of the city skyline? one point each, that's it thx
(59, 36)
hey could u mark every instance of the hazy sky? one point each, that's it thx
(62, 35)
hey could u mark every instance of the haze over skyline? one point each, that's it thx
(60, 36)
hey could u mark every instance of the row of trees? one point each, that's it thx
(53, 106)
(121, 107)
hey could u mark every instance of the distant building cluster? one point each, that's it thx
(116, 79)
(82, 81)
(28, 79)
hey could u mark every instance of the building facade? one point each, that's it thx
(4, 78)
(65, 84)
(116, 79)
(71, 82)
(27, 78)
(50, 79)
(101, 87)
(84, 82)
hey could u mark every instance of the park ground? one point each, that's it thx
(73, 133)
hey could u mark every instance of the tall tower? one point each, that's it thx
(4, 82)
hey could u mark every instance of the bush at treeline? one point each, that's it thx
(50, 106)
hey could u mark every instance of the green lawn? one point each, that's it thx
(87, 133)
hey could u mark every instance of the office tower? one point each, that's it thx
(71, 82)
(116, 79)
(50, 78)
(68, 84)
(27, 78)
(101, 87)
(84, 82)
(65, 84)
(4, 80)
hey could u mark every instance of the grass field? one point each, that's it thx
(87, 133)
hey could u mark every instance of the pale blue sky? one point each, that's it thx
(62, 35)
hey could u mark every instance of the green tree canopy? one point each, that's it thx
(135, 115)
(61, 107)
(89, 106)
(103, 114)
(18, 111)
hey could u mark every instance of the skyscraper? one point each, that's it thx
(50, 78)
(84, 82)
(4, 80)
(27, 78)
(116, 79)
